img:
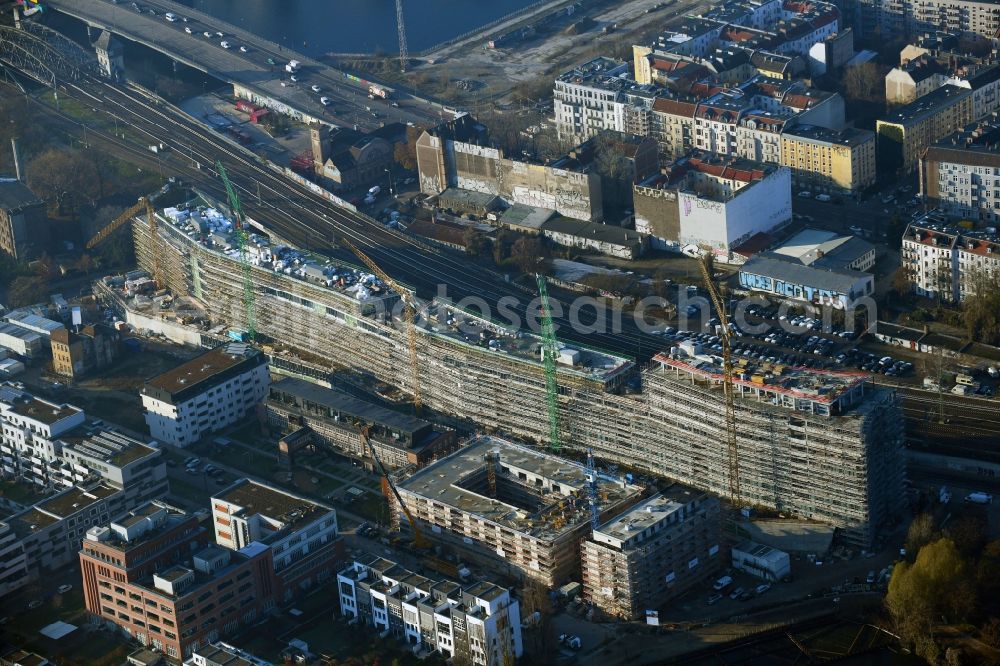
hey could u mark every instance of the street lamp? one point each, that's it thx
(392, 191)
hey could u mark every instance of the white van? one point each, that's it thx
(374, 190)
(170, 17)
(224, 44)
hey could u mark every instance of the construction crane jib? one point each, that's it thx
(732, 446)
(242, 237)
(409, 314)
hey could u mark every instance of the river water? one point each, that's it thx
(315, 27)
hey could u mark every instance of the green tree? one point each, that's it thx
(475, 243)
(922, 593)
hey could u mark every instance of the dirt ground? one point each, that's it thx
(535, 62)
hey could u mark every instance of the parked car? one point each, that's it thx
(715, 598)
(34, 603)
(63, 589)
(735, 594)
(762, 588)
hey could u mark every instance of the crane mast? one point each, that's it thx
(242, 237)
(732, 446)
(409, 314)
(550, 348)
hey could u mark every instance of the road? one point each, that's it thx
(252, 69)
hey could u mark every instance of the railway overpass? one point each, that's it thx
(195, 40)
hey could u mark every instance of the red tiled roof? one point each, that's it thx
(674, 107)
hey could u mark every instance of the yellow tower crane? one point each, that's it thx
(409, 314)
(732, 446)
(144, 204)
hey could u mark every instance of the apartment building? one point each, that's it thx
(220, 653)
(205, 394)
(54, 447)
(943, 262)
(301, 534)
(475, 623)
(334, 419)
(713, 203)
(75, 353)
(153, 574)
(906, 132)
(597, 96)
(960, 174)
(914, 79)
(889, 19)
(830, 161)
(13, 561)
(24, 225)
(516, 510)
(652, 553)
(49, 532)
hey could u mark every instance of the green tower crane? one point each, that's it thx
(242, 236)
(550, 349)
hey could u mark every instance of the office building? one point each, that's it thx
(153, 574)
(301, 534)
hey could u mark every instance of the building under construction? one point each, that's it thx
(812, 444)
(511, 508)
(653, 552)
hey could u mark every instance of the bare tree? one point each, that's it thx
(863, 82)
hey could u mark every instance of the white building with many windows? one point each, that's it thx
(946, 262)
(205, 394)
(476, 623)
(960, 174)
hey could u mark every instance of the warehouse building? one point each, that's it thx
(654, 552)
(334, 419)
(790, 279)
(474, 623)
(205, 394)
(21, 341)
(517, 510)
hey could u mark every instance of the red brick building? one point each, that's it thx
(155, 575)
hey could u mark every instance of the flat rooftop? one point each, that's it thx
(821, 386)
(537, 493)
(791, 271)
(927, 105)
(646, 514)
(824, 249)
(844, 137)
(255, 498)
(518, 345)
(348, 404)
(110, 446)
(75, 499)
(203, 372)
(201, 222)
(42, 410)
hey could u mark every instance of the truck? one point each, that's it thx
(377, 91)
(979, 498)
(293, 66)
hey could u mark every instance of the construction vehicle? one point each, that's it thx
(242, 236)
(144, 204)
(705, 263)
(409, 314)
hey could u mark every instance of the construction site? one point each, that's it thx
(811, 444)
(514, 509)
(654, 552)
